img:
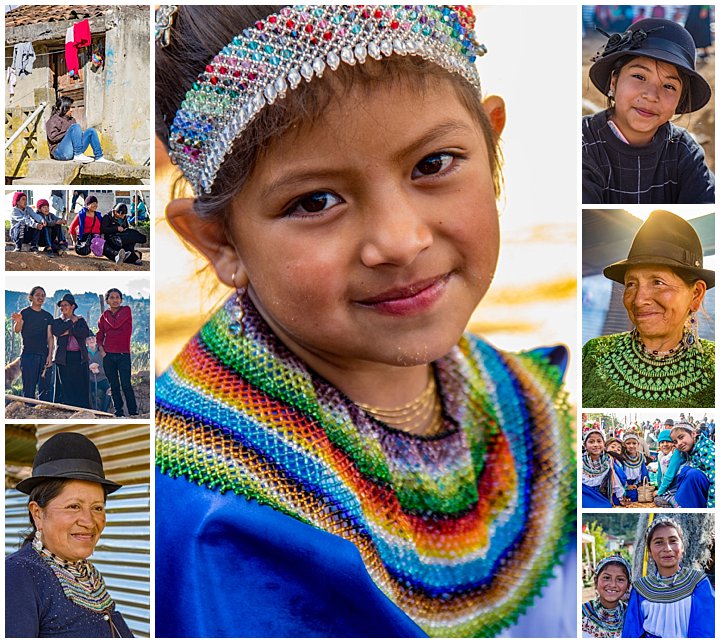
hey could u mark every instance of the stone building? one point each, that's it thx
(111, 92)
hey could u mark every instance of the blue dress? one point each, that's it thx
(604, 487)
(686, 610)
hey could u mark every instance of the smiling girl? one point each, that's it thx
(603, 479)
(673, 600)
(384, 467)
(634, 465)
(603, 617)
(631, 152)
(691, 470)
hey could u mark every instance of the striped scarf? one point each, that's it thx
(461, 531)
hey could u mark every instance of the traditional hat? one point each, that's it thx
(664, 436)
(69, 456)
(665, 239)
(41, 203)
(669, 422)
(661, 40)
(69, 299)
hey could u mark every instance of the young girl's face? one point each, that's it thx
(647, 93)
(44, 210)
(595, 445)
(611, 584)
(631, 446)
(683, 441)
(614, 447)
(666, 549)
(666, 447)
(370, 235)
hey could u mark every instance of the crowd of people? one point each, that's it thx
(680, 454)
(90, 232)
(673, 599)
(62, 361)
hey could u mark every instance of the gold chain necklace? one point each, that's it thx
(421, 416)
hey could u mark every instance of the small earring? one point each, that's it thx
(37, 541)
(237, 313)
(611, 93)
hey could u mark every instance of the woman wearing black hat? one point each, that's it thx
(631, 152)
(662, 361)
(51, 589)
(71, 355)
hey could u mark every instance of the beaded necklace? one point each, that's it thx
(601, 621)
(81, 582)
(633, 462)
(623, 361)
(660, 589)
(461, 530)
(595, 468)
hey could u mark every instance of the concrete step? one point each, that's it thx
(51, 172)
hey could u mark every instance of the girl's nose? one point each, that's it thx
(395, 233)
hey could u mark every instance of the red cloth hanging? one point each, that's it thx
(76, 36)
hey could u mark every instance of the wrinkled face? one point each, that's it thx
(72, 522)
(595, 445)
(611, 584)
(114, 300)
(658, 302)
(666, 549)
(38, 298)
(647, 93)
(66, 309)
(666, 447)
(631, 445)
(683, 441)
(371, 235)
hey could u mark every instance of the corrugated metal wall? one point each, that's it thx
(123, 552)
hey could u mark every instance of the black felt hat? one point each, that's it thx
(665, 239)
(658, 39)
(68, 456)
(69, 299)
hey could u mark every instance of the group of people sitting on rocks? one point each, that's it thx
(109, 236)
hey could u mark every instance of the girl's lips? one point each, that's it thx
(408, 300)
(645, 113)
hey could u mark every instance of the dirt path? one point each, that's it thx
(69, 261)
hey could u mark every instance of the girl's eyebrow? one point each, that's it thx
(646, 68)
(286, 180)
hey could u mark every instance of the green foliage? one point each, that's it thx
(601, 541)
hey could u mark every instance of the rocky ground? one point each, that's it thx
(18, 411)
(69, 261)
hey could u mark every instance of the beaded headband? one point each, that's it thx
(298, 43)
(664, 521)
(589, 430)
(613, 560)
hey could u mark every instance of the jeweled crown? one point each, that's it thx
(298, 43)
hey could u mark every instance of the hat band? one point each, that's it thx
(654, 249)
(657, 42)
(62, 468)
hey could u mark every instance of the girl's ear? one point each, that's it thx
(494, 107)
(208, 237)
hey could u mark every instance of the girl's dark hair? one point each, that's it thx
(200, 32)
(112, 290)
(62, 105)
(685, 95)
(44, 493)
(684, 429)
(121, 208)
(34, 290)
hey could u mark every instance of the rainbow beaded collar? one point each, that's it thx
(462, 531)
(298, 43)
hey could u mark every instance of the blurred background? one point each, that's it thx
(533, 298)
(699, 20)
